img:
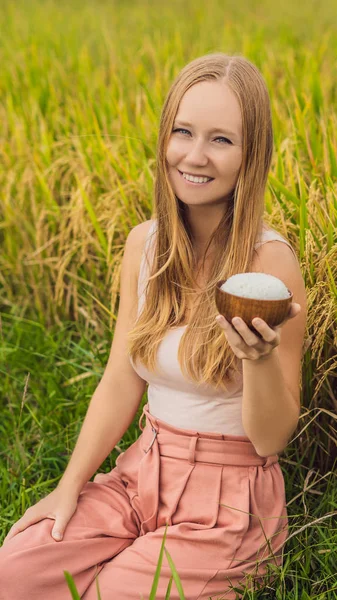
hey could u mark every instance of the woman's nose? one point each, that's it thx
(197, 154)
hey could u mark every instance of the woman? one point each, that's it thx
(222, 402)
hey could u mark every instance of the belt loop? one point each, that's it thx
(191, 449)
(153, 439)
(144, 414)
(270, 460)
(140, 421)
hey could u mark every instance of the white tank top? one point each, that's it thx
(171, 396)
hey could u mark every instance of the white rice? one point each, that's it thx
(256, 285)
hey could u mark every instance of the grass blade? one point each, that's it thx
(158, 569)
(71, 585)
(168, 591)
(175, 576)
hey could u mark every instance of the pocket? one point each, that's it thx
(127, 464)
(269, 520)
(189, 493)
(234, 510)
(118, 458)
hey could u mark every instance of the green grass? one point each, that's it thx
(82, 85)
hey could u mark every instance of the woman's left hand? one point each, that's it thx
(248, 346)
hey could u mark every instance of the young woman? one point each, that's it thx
(222, 402)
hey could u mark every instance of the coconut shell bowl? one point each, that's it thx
(273, 312)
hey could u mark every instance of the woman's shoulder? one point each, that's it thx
(144, 230)
(269, 234)
(141, 234)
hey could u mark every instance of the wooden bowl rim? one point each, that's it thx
(219, 284)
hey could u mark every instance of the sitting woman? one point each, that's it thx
(223, 401)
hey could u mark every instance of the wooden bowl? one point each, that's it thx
(273, 312)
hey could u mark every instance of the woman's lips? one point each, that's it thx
(192, 183)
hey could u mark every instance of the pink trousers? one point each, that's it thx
(225, 506)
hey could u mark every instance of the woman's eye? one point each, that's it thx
(218, 138)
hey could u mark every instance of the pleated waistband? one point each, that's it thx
(194, 446)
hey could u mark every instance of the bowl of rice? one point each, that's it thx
(250, 295)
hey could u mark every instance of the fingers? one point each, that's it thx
(296, 309)
(238, 332)
(57, 532)
(16, 528)
(57, 506)
(58, 529)
(22, 524)
(246, 344)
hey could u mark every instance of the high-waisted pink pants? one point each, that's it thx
(225, 506)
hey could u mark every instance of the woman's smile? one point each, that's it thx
(192, 182)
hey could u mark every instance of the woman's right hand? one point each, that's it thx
(58, 505)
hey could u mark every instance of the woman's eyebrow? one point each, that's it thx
(213, 130)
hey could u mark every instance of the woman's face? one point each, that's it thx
(197, 150)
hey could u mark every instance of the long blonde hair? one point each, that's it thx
(204, 354)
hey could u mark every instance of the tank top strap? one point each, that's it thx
(145, 263)
(270, 235)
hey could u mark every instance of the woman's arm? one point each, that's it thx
(269, 411)
(117, 397)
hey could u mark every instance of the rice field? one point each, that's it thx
(82, 85)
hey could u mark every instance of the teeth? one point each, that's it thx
(196, 179)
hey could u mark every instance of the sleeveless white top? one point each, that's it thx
(171, 396)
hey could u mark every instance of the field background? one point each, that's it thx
(82, 86)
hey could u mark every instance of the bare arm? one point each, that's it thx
(109, 415)
(117, 397)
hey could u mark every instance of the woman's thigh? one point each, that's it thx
(130, 575)
(225, 525)
(32, 563)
